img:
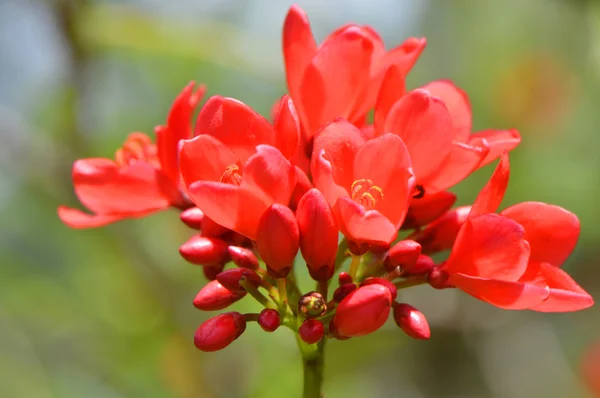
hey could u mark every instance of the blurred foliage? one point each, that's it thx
(107, 312)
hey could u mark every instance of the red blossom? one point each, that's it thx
(411, 321)
(363, 311)
(143, 178)
(215, 296)
(220, 331)
(368, 183)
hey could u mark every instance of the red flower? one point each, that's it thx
(237, 165)
(342, 76)
(142, 179)
(363, 311)
(368, 183)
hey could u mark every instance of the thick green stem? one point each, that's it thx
(312, 365)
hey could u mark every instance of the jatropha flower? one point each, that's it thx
(244, 185)
(143, 177)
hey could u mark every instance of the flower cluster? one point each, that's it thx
(259, 192)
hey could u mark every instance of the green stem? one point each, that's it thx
(354, 266)
(253, 291)
(411, 281)
(312, 365)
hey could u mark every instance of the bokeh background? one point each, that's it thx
(107, 312)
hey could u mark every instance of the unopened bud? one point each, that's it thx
(335, 333)
(363, 311)
(341, 292)
(211, 271)
(192, 217)
(318, 234)
(384, 282)
(311, 331)
(344, 278)
(312, 305)
(269, 320)
(215, 296)
(278, 239)
(411, 321)
(243, 258)
(441, 234)
(202, 250)
(404, 254)
(220, 331)
(438, 279)
(230, 279)
(428, 209)
(422, 266)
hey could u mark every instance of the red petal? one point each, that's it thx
(551, 230)
(104, 188)
(499, 140)
(462, 161)
(458, 105)
(299, 48)
(405, 55)
(363, 226)
(503, 294)
(331, 84)
(77, 219)
(424, 124)
(490, 246)
(491, 195)
(204, 158)
(565, 294)
(178, 128)
(392, 89)
(385, 161)
(235, 124)
(287, 128)
(428, 209)
(333, 161)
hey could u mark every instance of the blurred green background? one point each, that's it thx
(108, 313)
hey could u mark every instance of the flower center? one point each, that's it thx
(366, 193)
(232, 175)
(137, 147)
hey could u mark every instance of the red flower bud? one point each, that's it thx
(404, 254)
(202, 250)
(269, 320)
(230, 279)
(220, 331)
(438, 279)
(318, 234)
(303, 184)
(429, 208)
(277, 239)
(192, 217)
(214, 297)
(411, 321)
(363, 311)
(243, 258)
(384, 282)
(344, 278)
(423, 265)
(311, 331)
(442, 233)
(211, 228)
(341, 292)
(211, 271)
(333, 330)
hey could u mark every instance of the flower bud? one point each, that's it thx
(243, 258)
(438, 279)
(202, 250)
(429, 208)
(269, 320)
(335, 333)
(441, 234)
(303, 184)
(344, 278)
(411, 321)
(384, 282)
(312, 305)
(404, 254)
(230, 279)
(214, 297)
(341, 292)
(278, 239)
(422, 266)
(220, 331)
(211, 271)
(363, 311)
(318, 234)
(311, 331)
(192, 217)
